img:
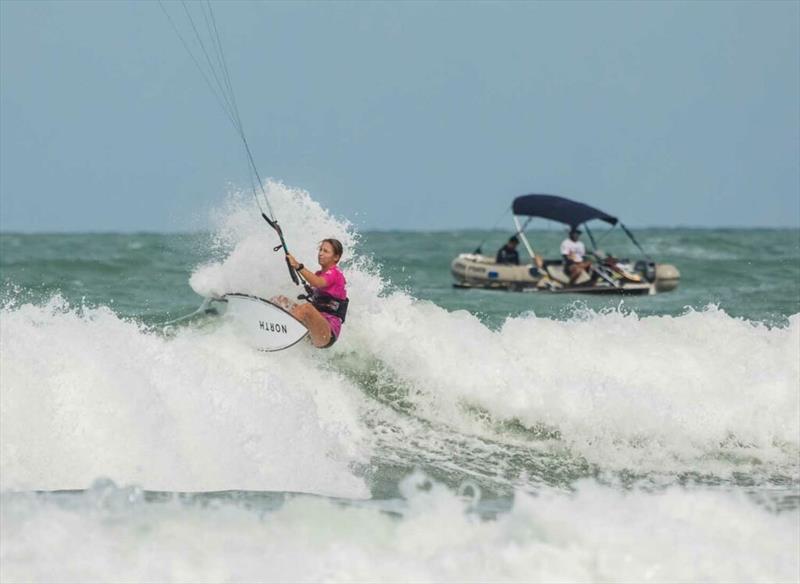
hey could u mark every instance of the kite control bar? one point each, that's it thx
(277, 228)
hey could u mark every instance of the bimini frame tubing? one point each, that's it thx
(524, 239)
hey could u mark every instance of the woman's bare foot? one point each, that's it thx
(283, 302)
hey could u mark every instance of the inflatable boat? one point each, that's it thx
(605, 275)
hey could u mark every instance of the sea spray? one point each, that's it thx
(653, 439)
(654, 393)
(87, 394)
(700, 391)
(594, 534)
(246, 242)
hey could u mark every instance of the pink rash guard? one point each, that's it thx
(334, 286)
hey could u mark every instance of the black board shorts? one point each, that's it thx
(330, 343)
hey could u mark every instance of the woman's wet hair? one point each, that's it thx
(335, 244)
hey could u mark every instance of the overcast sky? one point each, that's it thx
(408, 115)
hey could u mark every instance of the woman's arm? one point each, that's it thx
(308, 275)
(312, 278)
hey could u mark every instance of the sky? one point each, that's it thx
(411, 115)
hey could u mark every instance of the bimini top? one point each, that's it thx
(558, 209)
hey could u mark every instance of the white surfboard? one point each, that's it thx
(264, 324)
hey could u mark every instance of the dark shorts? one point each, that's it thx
(330, 343)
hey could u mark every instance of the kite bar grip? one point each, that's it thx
(292, 272)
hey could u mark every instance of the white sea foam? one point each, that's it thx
(597, 534)
(86, 394)
(653, 393)
(250, 265)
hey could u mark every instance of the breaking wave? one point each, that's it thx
(86, 393)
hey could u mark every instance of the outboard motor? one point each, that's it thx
(646, 269)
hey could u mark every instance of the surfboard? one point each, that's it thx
(262, 323)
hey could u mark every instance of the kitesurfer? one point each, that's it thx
(326, 308)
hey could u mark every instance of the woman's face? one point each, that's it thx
(326, 255)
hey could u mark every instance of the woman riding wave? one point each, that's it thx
(326, 308)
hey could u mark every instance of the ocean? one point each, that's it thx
(449, 435)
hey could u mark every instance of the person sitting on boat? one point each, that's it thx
(326, 308)
(508, 253)
(573, 251)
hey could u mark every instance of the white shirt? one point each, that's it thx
(576, 249)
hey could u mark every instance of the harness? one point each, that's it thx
(327, 303)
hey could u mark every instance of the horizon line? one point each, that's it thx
(396, 230)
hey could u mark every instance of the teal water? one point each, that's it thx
(468, 423)
(754, 274)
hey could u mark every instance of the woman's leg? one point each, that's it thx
(318, 328)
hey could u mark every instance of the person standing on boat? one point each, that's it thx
(508, 253)
(326, 308)
(573, 251)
